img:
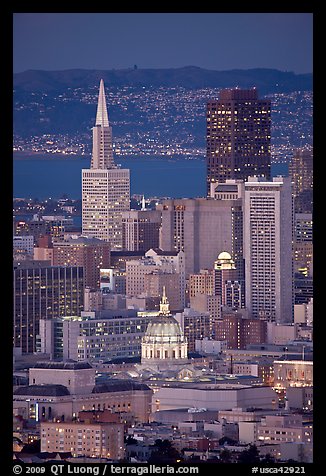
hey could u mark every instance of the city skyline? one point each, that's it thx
(207, 40)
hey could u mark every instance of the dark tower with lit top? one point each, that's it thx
(238, 136)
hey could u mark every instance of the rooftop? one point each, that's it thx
(63, 365)
(116, 385)
(46, 390)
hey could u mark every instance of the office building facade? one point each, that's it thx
(140, 230)
(268, 231)
(93, 336)
(41, 291)
(301, 173)
(238, 136)
(202, 228)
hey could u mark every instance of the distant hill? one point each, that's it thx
(192, 77)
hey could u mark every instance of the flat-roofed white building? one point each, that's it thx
(213, 396)
(284, 429)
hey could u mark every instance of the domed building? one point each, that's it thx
(164, 342)
(227, 282)
(224, 261)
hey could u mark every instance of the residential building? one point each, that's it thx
(284, 428)
(97, 440)
(195, 325)
(92, 254)
(43, 250)
(201, 283)
(239, 331)
(207, 303)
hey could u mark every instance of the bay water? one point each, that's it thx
(45, 176)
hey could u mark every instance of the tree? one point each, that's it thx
(251, 455)
(225, 456)
(164, 453)
(131, 441)
(268, 459)
(227, 440)
(34, 447)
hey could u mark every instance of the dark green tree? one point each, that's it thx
(227, 440)
(164, 453)
(225, 456)
(268, 459)
(130, 440)
(249, 456)
(33, 448)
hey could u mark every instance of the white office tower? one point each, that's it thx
(268, 231)
(105, 187)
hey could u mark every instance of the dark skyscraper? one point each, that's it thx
(301, 173)
(238, 136)
(43, 291)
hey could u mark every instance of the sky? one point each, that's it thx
(216, 41)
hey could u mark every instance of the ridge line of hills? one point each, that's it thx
(192, 77)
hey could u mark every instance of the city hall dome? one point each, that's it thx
(164, 329)
(164, 340)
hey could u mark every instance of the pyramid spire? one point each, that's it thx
(102, 118)
(143, 204)
(102, 154)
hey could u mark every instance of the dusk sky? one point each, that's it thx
(216, 41)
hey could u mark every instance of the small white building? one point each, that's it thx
(210, 346)
(23, 244)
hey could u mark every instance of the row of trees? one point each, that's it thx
(165, 453)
